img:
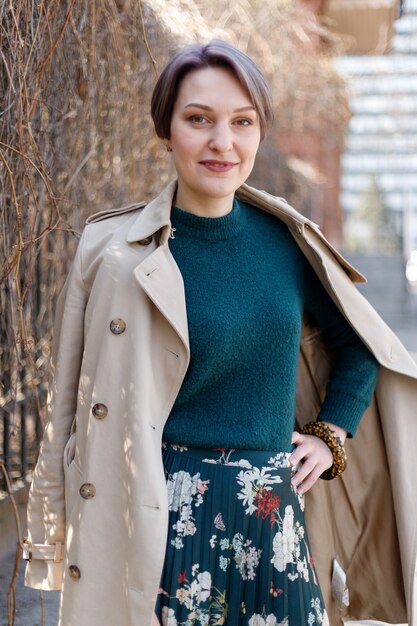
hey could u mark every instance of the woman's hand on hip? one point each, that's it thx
(314, 457)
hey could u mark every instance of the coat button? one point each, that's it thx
(99, 411)
(146, 241)
(87, 491)
(74, 572)
(117, 326)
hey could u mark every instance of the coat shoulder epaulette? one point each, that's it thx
(104, 215)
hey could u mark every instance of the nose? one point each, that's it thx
(221, 140)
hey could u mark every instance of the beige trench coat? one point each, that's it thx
(101, 538)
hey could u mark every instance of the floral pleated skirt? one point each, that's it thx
(237, 551)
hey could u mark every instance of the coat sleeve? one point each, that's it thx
(46, 505)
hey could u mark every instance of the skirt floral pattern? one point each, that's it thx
(237, 552)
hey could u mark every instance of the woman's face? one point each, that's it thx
(215, 134)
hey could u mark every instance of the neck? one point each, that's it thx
(203, 206)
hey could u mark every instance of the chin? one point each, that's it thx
(221, 190)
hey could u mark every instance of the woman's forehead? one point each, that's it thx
(213, 87)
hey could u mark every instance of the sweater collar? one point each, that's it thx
(157, 216)
(209, 228)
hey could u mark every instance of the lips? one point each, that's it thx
(218, 166)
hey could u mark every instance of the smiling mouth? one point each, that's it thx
(218, 166)
(217, 163)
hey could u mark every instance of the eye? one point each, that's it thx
(198, 119)
(244, 122)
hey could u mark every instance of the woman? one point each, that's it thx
(192, 313)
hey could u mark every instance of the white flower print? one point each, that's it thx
(183, 489)
(246, 557)
(179, 487)
(224, 459)
(186, 511)
(177, 543)
(303, 569)
(178, 447)
(168, 617)
(203, 600)
(251, 480)
(248, 562)
(262, 475)
(200, 588)
(279, 559)
(223, 562)
(319, 616)
(202, 617)
(224, 544)
(285, 542)
(282, 459)
(237, 542)
(184, 492)
(205, 604)
(269, 620)
(247, 495)
(184, 596)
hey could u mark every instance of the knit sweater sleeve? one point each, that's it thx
(354, 373)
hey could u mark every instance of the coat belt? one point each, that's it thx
(45, 551)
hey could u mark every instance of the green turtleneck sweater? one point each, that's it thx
(247, 285)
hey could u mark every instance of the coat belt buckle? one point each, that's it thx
(27, 550)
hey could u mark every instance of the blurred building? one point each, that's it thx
(315, 145)
(379, 173)
(381, 147)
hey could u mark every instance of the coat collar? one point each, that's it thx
(157, 215)
(154, 216)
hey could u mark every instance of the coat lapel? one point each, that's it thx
(154, 216)
(160, 277)
(158, 274)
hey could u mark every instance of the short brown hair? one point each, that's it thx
(216, 53)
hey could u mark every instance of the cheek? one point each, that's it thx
(184, 142)
(250, 149)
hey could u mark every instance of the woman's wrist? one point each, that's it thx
(323, 431)
(340, 432)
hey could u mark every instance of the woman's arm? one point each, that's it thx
(354, 370)
(349, 389)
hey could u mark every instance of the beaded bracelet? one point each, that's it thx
(324, 432)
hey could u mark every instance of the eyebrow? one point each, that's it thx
(207, 108)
